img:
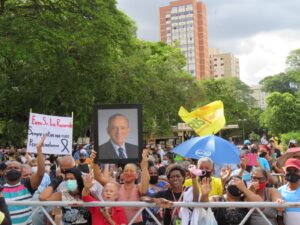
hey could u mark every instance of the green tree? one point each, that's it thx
(283, 82)
(293, 60)
(238, 103)
(282, 114)
(54, 55)
(152, 75)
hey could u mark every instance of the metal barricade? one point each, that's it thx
(143, 205)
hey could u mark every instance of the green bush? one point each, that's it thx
(254, 137)
(285, 138)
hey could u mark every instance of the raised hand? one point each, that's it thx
(205, 186)
(239, 184)
(225, 173)
(163, 203)
(41, 142)
(145, 155)
(87, 180)
(254, 186)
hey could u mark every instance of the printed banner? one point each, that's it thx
(205, 120)
(59, 132)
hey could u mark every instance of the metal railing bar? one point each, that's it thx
(48, 216)
(153, 216)
(145, 204)
(263, 215)
(136, 215)
(247, 216)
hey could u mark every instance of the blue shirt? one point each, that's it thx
(290, 196)
(264, 163)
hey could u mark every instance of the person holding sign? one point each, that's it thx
(117, 147)
(19, 189)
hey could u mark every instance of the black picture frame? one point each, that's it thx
(106, 153)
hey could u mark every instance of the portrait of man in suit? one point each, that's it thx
(116, 147)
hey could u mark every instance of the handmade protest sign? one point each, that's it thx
(59, 131)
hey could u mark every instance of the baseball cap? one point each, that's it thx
(82, 151)
(247, 142)
(292, 141)
(291, 162)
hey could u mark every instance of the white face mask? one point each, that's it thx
(47, 169)
(34, 169)
(165, 162)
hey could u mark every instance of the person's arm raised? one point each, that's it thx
(206, 189)
(143, 186)
(88, 183)
(37, 177)
(250, 195)
(98, 175)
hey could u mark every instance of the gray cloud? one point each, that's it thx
(242, 27)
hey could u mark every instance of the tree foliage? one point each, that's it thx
(293, 60)
(152, 75)
(54, 54)
(282, 114)
(238, 103)
(283, 82)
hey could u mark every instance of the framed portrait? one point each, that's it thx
(118, 130)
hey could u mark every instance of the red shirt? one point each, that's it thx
(118, 214)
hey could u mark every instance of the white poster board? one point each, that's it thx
(59, 132)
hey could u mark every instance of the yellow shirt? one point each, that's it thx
(88, 161)
(216, 186)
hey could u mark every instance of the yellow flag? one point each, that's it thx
(208, 119)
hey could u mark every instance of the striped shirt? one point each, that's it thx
(19, 192)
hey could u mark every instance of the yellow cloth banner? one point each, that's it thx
(208, 119)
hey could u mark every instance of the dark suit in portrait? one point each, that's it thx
(107, 151)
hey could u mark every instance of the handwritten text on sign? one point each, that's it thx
(59, 132)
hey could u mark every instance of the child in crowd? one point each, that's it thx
(104, 215)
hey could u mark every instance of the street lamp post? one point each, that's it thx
(243, 123)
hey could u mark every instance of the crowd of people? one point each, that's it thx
(265, 174)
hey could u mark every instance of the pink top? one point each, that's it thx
(131, 196)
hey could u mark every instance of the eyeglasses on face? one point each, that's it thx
(258, 178)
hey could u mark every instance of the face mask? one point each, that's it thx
(234, 191)
(292, 177)
(47, 169)
(153, 179)
(34, 169)
(261, 186)
(82, 160)
(165, 162)
(263, 154)
(71, 185)
(13, 175)
(207, 174)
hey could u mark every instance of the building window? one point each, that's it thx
(222, 64)
(215, 64)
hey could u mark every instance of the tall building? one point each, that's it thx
(223, 64)
(260, 96)
(184, 22)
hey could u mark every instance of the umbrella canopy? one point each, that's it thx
(290, 153)
(211, 146)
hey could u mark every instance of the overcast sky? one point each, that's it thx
(261, 33)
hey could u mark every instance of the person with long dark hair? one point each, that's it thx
(73, 189)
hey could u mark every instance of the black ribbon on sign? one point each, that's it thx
(65, 144)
